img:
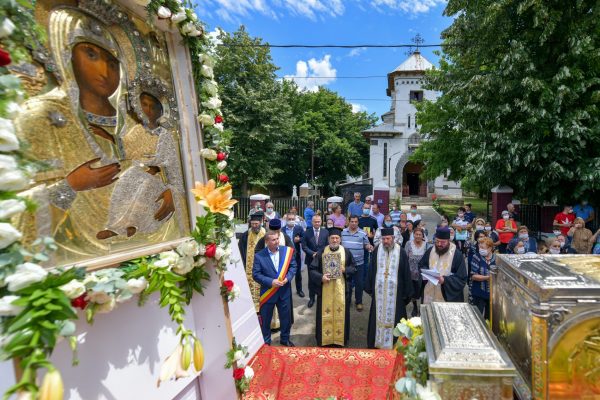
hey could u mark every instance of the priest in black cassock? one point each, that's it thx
(390, 286)
(445, 259)
(330, 272)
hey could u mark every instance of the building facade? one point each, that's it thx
(393, 141)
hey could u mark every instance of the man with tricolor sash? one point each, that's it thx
(329, 273)
(273, 269)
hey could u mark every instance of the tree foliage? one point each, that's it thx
(275, 128)
(520, 87)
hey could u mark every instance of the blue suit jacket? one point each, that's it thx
(310, 246)
(263, 272)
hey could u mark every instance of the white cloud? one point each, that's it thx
(314, 73)
(233, 10)
(357, 51)
(358, 107)
(409, 6)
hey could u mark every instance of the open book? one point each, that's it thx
(431, 275)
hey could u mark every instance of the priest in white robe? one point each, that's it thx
(390, 286)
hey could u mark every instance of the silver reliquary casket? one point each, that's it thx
(546, 315)
(465, 360)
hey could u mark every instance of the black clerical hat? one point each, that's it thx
(443, 232)
(335, 231)
(256, 216)
(387, 231)
(275, 224)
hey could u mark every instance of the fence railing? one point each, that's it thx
(243, 206)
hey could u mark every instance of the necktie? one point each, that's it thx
(317, 236)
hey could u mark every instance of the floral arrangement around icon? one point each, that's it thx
(38, 305)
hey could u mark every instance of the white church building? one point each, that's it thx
(393, 141)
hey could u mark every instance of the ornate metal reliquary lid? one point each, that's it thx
(557, 271)
(459, 343)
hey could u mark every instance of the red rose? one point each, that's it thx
(211, 249)
(218, 119)
(223, 178)
(228, 284)
(221, 156)
(79, 302)
(405, 341)
(4, 58)
(238, 373)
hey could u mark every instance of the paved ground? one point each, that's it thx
(303, 330)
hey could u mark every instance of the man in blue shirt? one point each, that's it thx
(585, 211)
(309, 212)
(469, 215)
(395, 214)
(357, 242)
(355, 208)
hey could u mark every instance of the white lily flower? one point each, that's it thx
(163, 12)
(415, 321)
(213, 103)
(25, 275)
(219, 126)
(184, 265)
(7, 163)
(195, 33)
(7, 309)
(211, 87)
(6, 28)
(138, 285)
(221, 165)
(187, 28)
(8, 235)
(13, 180)
(11, 207)
(238, 355)
(73, 289)
(13, 109)
(178, 17)
(207, 72)
(248, 372)
(8, 139)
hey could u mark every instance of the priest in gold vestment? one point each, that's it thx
(247, 245)
(329, 273)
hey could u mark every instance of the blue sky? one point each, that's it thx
(335, 22)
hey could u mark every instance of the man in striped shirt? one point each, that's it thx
(356, 241)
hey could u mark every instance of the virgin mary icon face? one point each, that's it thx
(96, 70)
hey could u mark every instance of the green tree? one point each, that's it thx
(326, 140)
(520, 84)
(254, 107)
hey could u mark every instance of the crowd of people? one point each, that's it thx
(391, 257)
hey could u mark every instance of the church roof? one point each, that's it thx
(416, 62)
(383, 130)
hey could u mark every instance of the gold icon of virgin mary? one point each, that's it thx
(112, 183)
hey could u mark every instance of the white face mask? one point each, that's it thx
(556, 233)
(562, 244)
(505, 216)
(451, 237)
(291, 224)
(554, 250)
(483, 252)
(488, 228)
(520, 250)
(523, 236)
(479, 227)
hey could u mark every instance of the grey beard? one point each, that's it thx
(388, 247)
(442, 251)
(334, 247)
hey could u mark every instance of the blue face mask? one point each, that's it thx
(388, 224)
(366, 211)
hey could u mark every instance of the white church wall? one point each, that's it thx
(447, 189)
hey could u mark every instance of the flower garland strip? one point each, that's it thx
(242, 373)
(37, 306)
(411, 343)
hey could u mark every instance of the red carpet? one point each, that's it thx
(299, 373)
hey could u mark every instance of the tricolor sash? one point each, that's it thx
(284, 266)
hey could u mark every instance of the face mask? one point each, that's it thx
(556, 233)
(451, 237)
(329, 209)
(520, 250)
(388, 224)
(413, 211)
(505, 216)
(562, 244)
(460, 215)
(270, 209)
(523, 236)
(488, 228)
(570, 211)
(483, 252)
(554, 250)
(479, 227)
(366, 211)
(291, 224)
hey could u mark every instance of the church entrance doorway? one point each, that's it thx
(412, 180)
(413, 184)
